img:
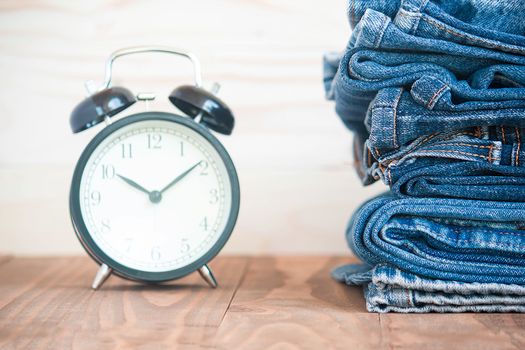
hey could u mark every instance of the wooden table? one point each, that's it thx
(262, 303)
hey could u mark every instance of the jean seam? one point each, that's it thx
(376, 150)
(522, 235)
(430, 104)
(480, 241)
(503, 134)
(416, 97)
(471, 38)
(428, 138)
(414, 17)
(453, 151)
(407, 291)
(463, 144)
(396, 103)
(389, 172)
(421, 144)
(379, 38)
(518, 138)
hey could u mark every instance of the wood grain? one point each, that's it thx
(262, 303)
(454, 331)
(291, 303)
(47, 303)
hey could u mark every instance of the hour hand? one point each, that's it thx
(134, 184)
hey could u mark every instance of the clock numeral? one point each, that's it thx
(154, 141)
(204, 167)
(155, 253)
(204, 223)
(185, 247)
(95, 198)
(108, 171)
(214, 196)
(182, 148)
(105, 225)
(126, 150)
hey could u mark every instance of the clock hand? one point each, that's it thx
(180, 177)
(134, 184)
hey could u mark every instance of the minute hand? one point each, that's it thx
(178, 178)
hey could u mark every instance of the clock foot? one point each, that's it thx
(102, 275)
(207, 275)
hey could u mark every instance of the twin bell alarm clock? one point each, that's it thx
(154, 195)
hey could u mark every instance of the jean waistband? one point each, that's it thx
(498, 146)
(394, 118)
(472, 144)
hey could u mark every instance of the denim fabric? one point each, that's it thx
(459, 179)
(435, 93)
(452, 18)
(389, 289)
(442, 75)
(431, 79)
(394, 119)
(443, 238)
(466, 22)
(377, 31)
(487, 152)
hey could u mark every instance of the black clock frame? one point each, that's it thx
(83, 233)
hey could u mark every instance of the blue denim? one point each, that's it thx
(389, 289)
(459, 179)
(435, 81)
(466, 22)
(479, 20)
(443, 238)
(423, 165)
(431, 80)
(394, 119)
(437, 102)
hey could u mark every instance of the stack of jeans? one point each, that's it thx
(434, 91)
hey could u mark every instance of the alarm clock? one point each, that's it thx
(154, 196)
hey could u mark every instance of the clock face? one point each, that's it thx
(156, 195)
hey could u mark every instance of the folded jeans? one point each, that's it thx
(389, 289)
(443, 238)
(460, 20)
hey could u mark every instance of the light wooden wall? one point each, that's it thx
(291, 151)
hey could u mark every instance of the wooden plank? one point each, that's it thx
(454, 331)
(292, 302)
(5, 258)
(47, 303)
(263, 302)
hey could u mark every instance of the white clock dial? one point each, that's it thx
(155, 195)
